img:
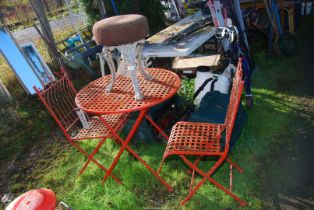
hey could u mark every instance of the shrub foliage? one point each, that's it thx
(152, 9)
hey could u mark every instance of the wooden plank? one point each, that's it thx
(191, 63)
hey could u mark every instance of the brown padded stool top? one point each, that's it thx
(120, 30)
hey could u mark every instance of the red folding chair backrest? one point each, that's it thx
(59, 99)
(234, 102)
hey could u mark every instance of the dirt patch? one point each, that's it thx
(18, 174)
(289, 174)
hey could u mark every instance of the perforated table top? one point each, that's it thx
(94, 99)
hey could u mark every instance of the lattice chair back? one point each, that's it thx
(59, 99)
(235, 98)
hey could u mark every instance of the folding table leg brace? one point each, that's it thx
(90, 157)
(128, 148)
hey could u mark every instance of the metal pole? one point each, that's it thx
(4, 93)
(241, 23)
(114, 7)
(102, 9)
(41, 14)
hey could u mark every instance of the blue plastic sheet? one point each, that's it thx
(18, 62)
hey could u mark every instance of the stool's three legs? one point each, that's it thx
(104, 56)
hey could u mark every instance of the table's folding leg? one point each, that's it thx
(92, 155)
(157, 127)
(94, 161)
(124, 143)
(128, 148)
(161, 132)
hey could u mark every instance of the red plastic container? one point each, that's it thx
(38, 199)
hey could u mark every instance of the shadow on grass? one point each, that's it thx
(265, 130)
(271, 134)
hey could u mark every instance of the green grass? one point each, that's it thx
(26, 128)
(267, 126)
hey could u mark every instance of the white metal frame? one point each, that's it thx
(130, 60)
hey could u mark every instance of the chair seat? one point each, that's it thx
(97, 129)
(194, 138)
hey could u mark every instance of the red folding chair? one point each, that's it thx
(204, 140)
(59, 99)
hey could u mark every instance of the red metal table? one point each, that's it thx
(94, 100)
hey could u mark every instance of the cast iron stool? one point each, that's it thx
(124, 36)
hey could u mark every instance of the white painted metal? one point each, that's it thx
(130, 60)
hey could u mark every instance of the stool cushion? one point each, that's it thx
(120, 30)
